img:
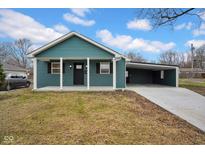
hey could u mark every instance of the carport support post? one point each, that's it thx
(34, 73)
(61, 73)
(177, 76)
(88, 73)
(114, 73)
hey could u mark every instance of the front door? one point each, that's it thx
(78, 77)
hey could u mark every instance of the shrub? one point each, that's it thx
(2, 75)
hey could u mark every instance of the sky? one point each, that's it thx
(118, 29)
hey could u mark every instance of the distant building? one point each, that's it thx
(14, 70)
(195, 73)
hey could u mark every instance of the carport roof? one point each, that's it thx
(150, 66)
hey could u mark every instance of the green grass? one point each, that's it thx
(196, 85)
(89, 118)
(189, 82)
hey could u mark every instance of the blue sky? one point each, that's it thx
(118, 29)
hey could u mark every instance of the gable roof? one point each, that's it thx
(12, 67)
(69, 35)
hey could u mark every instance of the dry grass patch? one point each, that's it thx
(90, 118)
(196, 85)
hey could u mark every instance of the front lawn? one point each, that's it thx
(197, 85)
(28, 117)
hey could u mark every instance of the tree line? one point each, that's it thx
(182, 59)
(16, 52)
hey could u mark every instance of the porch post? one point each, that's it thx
(114, 73)
(34, 73)
(88, 73)
(61, 73)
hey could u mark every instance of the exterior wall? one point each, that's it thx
(169, 77)
(99, 79)
(120, 73)
(46, 79)
(139, 76)
(142, 76)
(75, 48)
(69, 73)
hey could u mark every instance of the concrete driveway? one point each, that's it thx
(182, 102)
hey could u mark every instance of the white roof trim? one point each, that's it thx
(151, 65)
(64, 37)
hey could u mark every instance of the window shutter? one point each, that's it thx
(111, 68)
(97, 68)
(63, 67)
(49, 67)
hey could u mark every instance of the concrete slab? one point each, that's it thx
(182, 102)
(76, 88)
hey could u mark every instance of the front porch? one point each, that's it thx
(74, 74)
(76, 88)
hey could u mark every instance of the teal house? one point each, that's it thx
(76, 62)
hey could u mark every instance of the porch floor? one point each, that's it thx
(76, 88)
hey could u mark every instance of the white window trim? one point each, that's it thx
(52, 63)
(100, 67)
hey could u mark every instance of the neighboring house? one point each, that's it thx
(10, 68)
(76, 61)
(192, 73)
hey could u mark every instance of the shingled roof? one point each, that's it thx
(12, 67)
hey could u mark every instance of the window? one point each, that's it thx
(104, 67)
(55, 67)
(13, 76)
(162, 75)
(79, 67)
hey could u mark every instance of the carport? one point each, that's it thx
(150, 73)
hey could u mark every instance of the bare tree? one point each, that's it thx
(3, 53)
(18, 51)
(199, 57)
(135, 56)
(174, 58)
(168, 58)
(167, 16)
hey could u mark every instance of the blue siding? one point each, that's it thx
(46, 79)
(69, 72)
(120, 73)
(143, 76)
(75, 48)
(139, 76)
(99, 79)
(169, 77)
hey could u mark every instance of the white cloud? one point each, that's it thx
(17, 25)
(200, 30)
(78, 21)
(202, 15)
(186, 26)
(196, 43)
(126, 42)
(80, 11)
(141, 24)
(61, 28)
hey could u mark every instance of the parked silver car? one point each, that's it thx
(15, 81)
